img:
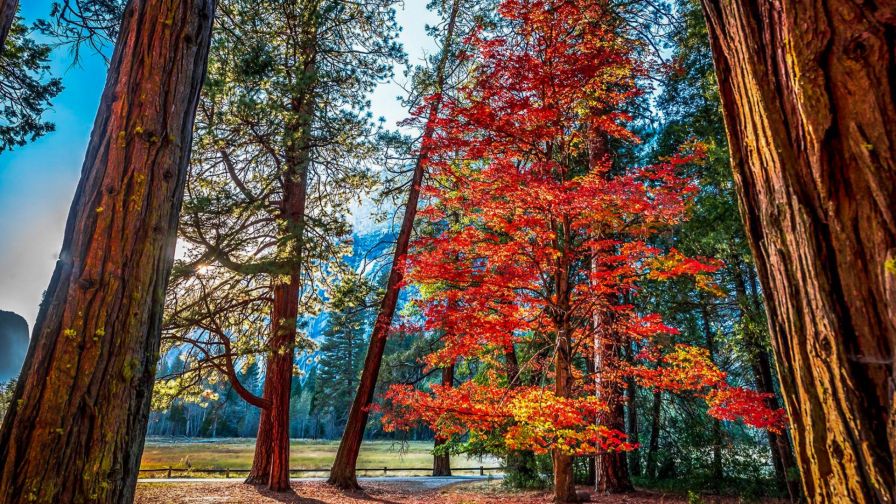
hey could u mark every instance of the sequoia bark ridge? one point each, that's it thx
(75, 428)
(808, 92)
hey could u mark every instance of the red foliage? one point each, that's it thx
(539, 237)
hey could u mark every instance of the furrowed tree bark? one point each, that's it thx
(441, 464)
(75, 428)
(284, 315)
(8, 11)
(343, 474)
(808, 92)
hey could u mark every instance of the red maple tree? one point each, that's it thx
(541, 242)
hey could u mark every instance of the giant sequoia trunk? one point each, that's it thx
(74, 431)
(342, 474)
(808, 92)
(8, 10)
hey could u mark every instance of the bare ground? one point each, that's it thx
(386, 491)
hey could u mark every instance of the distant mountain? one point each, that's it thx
(13, 344)
(371, 250)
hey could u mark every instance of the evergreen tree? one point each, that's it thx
(26, 90)
(285, 142)
(342, 349)
(734, 318)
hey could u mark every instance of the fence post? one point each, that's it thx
(385, 471)
(169, 472)
(481, 471)
(227, 473)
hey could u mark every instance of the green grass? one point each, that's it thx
(181, 454)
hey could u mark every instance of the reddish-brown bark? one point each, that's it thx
(75, 428)
(280, 363)
(808, 92)
(261, 461)
(564, 482)
(342, 474)
(441, 464)
(8, 10)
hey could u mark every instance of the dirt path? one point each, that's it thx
(422, 490)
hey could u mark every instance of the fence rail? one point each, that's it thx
(171, 472)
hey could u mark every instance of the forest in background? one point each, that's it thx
(679, 442)
(576, 295)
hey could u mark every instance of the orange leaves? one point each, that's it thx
(685, 369)
(526, 418)
(689, 369)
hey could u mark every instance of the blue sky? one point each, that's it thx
(37, 181)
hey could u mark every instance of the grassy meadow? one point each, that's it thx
(190, 456)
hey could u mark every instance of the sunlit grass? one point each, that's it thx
(235, 454)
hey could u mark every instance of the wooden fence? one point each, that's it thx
(174, 472)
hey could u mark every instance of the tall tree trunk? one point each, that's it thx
(260, 472)
(654, 444)
(564, 482)
(612, 466)
(8, 11)
(779, 444)
(808, 92)
(74, 431)
(441, 464)
(283, 321)
(342, 474)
